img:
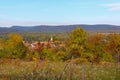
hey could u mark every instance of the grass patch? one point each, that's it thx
(45, 70)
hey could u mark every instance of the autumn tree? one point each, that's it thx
(76, 44)
(96, 45)
(113, 46)
(15, 47)
(2, 48)
(2, 41)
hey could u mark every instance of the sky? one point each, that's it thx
(59, 12)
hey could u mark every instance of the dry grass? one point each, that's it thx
(45, 70)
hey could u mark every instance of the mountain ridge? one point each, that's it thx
(61, 28)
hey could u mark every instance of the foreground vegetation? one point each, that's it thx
(36, 70)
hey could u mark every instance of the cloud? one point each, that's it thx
(9, 23)
(113, 6)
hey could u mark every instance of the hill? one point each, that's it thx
(61, 28)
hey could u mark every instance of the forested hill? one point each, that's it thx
(61, 28)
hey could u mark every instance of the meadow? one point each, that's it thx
(46, 70)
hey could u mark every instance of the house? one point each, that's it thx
(37, 46)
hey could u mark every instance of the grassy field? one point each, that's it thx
(45, 70)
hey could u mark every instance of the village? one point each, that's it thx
(38, 45)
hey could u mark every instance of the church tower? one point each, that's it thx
(51, 39)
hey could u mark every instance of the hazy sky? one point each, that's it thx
(59, 12)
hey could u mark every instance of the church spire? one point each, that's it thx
(51, 39)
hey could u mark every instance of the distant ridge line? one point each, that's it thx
(61, 28)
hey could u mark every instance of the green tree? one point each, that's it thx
(47, 54)
(60, 55)
(78, 36)
(76, 43)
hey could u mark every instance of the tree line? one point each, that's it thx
(79, 45)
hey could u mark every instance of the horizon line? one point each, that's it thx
(55, 25)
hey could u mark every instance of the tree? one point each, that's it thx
(2, 45)
(15, 47)
(46, 54)
(78, 36)
(76, 43)
(60, 55)
(2, 48)
(113, 46)
(96, 45)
